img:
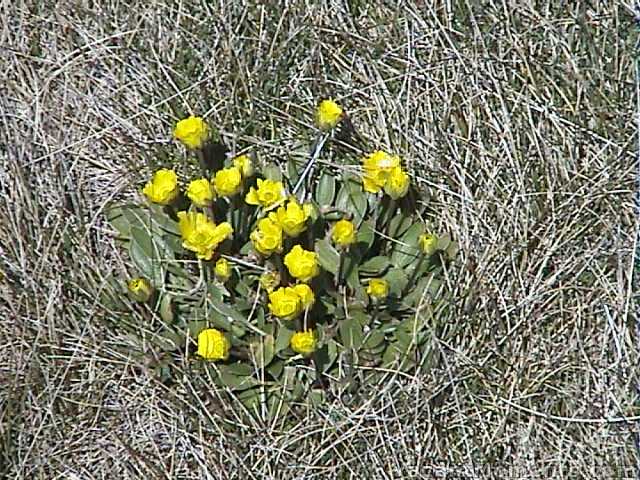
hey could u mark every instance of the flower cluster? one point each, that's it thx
(383, 171)
(264, 274)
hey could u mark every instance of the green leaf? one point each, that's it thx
(283, 339)
(262, 351)
(374, 339)
(375, 266)
(406, 250)
(168, 341)
(272, 172)
(325, 189)
(194, 328)
(326, 356)
(365, 236)
(235, 382)
(398, 280)
(167, 311)
(328, 257)
(398, 225)
(351, 333)
(352, 199)
(292, 171)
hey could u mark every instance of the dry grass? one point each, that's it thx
(519, 123)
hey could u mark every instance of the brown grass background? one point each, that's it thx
(515, 118)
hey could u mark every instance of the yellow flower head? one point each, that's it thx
(200, 192)
(302, 264)
(270, 281)
(428, 243)
(303, 343)
(213, 345)
(269, 193)
(344, 233)
(201, 235)
(222, 270)
(328, 115)
(163, 187)
(228, 181)
(292, 217)
(267, 238)
(193, 132)
(140, 289)
(397, 183)
(306, 294)
(244, 164)
(377, 168)
(285, 303)
(378, 288)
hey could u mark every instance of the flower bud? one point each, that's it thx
(428, 243)
(244, 164)
(200, 192)
(193, 132)
(303, 343)
(328, 115)
(140, 289)
(378, 289)
(222, 270)
(302, 264)
(344, 233)
(213, 345)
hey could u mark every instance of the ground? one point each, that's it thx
(516, 122)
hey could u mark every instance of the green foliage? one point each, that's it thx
(350, 319)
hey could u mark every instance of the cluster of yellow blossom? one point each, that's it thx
(267, 237)
(268, 193)
(383, 171)
(200, 234)
(163, 187)
(282, 217)
(289, 302)
(289, 219)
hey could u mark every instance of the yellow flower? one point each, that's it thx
(244, 164)
(201, 235)
(377, 168)
(378, 288)
(269, 281)
(344, 233)
(397, 183)
(213, 345)
(267, 238)
(222, 270)
(328, 115)
(200, 192)
(192, 132)
(303, 343)
(269, 193)
(306, 294)
(302, 264)
(140, 289)
(292, 217)
(285, 303)
(163, 187)
(228, 181)
(428, 243)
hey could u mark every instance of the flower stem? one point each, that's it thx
(315, 153)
